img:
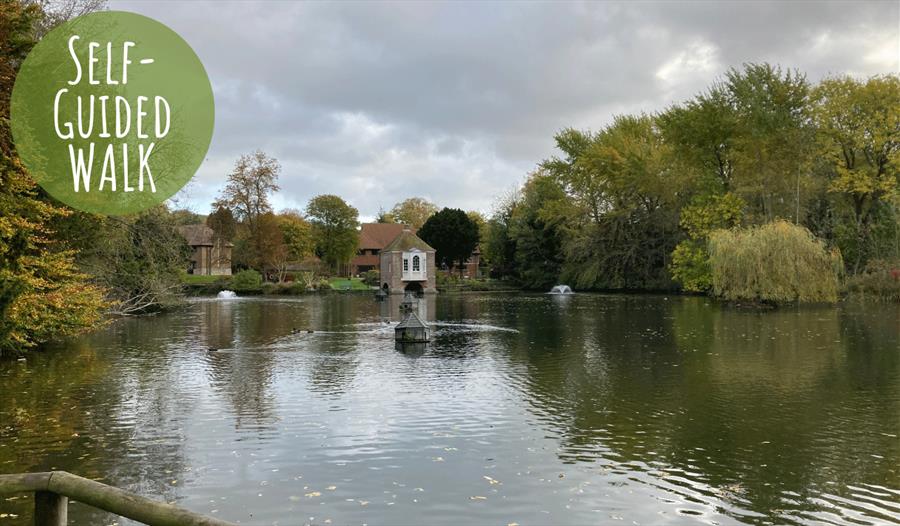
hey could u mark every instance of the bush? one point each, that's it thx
(880, 280)
(247, 280)
(690, 266)
(705, 214)
(372, 278)
(777, 262)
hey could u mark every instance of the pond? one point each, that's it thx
(525, 409)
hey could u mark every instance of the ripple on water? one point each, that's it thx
(522, 409)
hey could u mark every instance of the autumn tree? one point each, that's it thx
(537, 226)
(384, 216)
(625, 204)
(772, 143)
(271, 252)
(335, 230)
(413, 212)
(42, 295)
(291, 244)
(246, 194)
(858, 126)
(250, 183)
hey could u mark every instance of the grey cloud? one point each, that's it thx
(458, 101)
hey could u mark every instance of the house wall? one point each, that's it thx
(471, 269)
(211, 260)
(220, 260)
(392, 273)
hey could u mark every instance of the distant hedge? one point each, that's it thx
(880, 281)
(775, 263)
(247, 280)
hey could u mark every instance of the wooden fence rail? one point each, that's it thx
(53, 489)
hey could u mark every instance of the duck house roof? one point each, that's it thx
(411, 322)
(407, 241)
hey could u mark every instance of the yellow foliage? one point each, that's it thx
(778, 262)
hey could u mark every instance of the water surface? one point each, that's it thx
(527, 409)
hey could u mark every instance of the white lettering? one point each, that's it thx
(79, 168)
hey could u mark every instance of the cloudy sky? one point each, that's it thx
(456, 102)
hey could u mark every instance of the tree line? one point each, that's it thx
(324, 237)
(632, 205)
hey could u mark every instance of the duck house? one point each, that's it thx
(411, 330)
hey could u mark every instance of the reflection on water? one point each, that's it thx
(523, 409)
(425, 307)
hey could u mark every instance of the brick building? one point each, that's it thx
(407, 265)
(373, 237)
(210, 255)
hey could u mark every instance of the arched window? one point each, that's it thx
(416, 266)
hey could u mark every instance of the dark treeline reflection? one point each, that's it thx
(758, 406)
(568, 409)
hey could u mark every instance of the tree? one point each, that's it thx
(384, 216)
(537, 226)
(186, 217)
(778, 262)
(701, 133)
(690, 259)
(772, 152)
(284, 239)
(499, 246)
(480, 222)
(246, 195)
(453, 235)
(138, 260)
(334, 226)
(298, 235)
(625, 205)
(222, 222)
(858, 126)
(413, 212)
(42, 295)
(272, 251)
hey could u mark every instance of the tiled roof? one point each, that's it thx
(199, 235)
(407, 241)
(376, 236)
(368, 259)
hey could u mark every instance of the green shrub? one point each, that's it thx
(705, 214)
(880, 280)
(777, 262)
(372, 278)
(444, 281)
(690, 266)
(247, 280)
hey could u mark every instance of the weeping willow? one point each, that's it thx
(778, 262)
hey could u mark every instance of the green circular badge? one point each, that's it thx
(112, 113)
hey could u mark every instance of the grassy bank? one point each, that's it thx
(348, 284)
(195, 285)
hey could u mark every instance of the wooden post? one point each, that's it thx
(52, 491)
(50, 509)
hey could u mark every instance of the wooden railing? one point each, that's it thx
(53, 489)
